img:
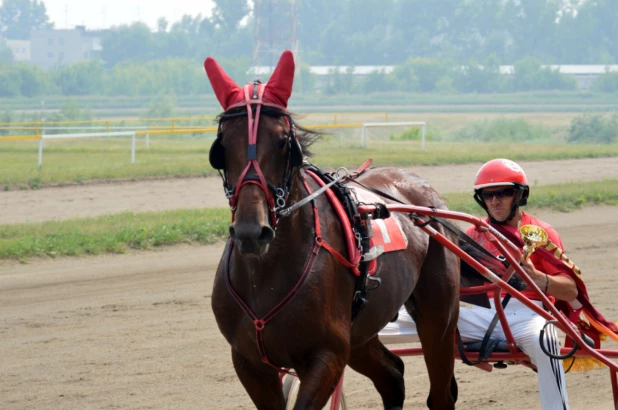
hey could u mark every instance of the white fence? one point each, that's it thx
(134, 131)
(88, 135)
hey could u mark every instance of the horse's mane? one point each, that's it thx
(305, 136)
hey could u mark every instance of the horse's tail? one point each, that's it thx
(471, 277)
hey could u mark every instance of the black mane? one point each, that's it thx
(305, 136)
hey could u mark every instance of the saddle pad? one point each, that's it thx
(388, 232)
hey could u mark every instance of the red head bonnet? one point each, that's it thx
(276, 92)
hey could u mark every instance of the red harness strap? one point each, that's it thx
(260, 323)
(253, 122)
(353, 251)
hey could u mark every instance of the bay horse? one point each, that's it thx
(283, 290)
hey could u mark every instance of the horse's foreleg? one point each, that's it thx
(318, 378)
(261, 382)
(385, 370)
(436, 309)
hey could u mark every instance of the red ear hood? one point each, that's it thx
(279, 88)
(226, 90)
(276, 91)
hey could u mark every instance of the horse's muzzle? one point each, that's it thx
(252, 239)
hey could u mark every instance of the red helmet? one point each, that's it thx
(500, 172)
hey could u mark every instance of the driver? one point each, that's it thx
(501, 188)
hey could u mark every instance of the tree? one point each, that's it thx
(33, 82)
(83, 78)
(134, 42)
(19, 17)
(6, 55)
(162, 24)
(228, 14)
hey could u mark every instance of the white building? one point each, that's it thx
(51, 48)
(20, 49)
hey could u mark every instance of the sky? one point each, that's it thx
(97, 14)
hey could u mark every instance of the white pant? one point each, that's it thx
(525, 326)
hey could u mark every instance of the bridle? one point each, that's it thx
(276, 196)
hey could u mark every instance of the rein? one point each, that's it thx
(307, 199)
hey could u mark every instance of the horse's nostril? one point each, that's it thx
(232, 232)
(267, 235)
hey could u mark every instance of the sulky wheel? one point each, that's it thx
(291, 385)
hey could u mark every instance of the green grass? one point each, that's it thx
(119, 233)
(78, 161)
(112, 233)
(408, 153)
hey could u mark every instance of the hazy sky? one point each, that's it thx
(105, 13)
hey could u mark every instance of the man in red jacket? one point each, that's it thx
(501, 187)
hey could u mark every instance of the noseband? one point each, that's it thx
(276, 196)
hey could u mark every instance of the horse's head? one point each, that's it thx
(256, 151)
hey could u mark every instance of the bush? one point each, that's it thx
(412, 134)
(530, 75)
(338, 82)
(162, 106)
(502, 130)
(69, 112)
(480, 78)
(596, 129)
(421, 74)
(83, 78)
(607, 82)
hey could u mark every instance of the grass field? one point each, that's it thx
(71, 161)
(121, 232)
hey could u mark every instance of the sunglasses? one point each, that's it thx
(499, 194)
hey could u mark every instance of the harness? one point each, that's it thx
(356, 231)
(276, 196)
(360, 294)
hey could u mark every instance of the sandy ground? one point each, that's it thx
(137, 332)
(93, 200)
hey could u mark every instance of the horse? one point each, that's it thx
(283, 289)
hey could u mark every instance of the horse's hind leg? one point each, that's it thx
(385, 370)
(261, 382)
(435, 310)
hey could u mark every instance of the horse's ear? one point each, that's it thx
(279, 86)
(226, 90)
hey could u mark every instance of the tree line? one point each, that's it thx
(388, 32)
(367, 32)
(443, 45)
(186, 77)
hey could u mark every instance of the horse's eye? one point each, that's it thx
(281, 144)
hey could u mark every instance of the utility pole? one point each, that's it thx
(275, 30)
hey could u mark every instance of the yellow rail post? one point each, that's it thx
(335, 119)
(173, 125)
(107, 126)
(385, 117)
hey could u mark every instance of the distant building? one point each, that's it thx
(50, 48)
(20, 49)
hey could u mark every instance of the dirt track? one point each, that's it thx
(93, 200)
(137, 332)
